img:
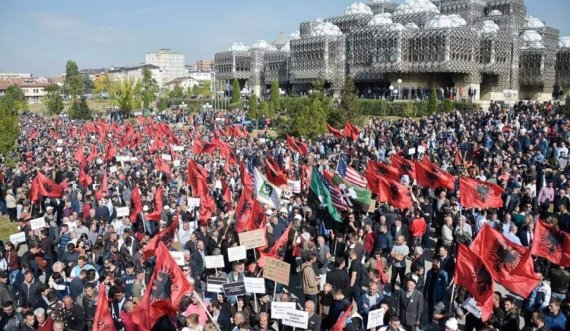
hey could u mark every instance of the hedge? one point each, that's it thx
(409, 108)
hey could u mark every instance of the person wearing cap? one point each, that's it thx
(410, 305)
(451, 324)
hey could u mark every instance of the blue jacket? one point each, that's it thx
(554, 322)
(440, 283)
(364, 305)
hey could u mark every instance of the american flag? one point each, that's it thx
(338, 201)
(349, 174)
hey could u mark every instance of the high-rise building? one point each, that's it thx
(171, 64)
(204, 65)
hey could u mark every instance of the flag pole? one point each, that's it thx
(451, 300)
(208, 312)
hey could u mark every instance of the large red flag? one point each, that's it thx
(306, 172)
(34, 193)
(155, 215)
(404, 166)
(167, 287)
(351, 131)
(79, 156)
(111, 152)
(384, 170)
(389, 191)
(273, 251)
(478, 194)
(244, 211)
(245, 176)
(136, 204)
(103, 187)
(335, 132)
(296, 145)
(274, 174)
(428, 175)
(341, 322)
(47, 187)
(510, 264)
(161, 165)
(33, 134)
(84, 179)
(551, 243)
(103, 318)
(472, 273)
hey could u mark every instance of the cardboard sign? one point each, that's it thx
(277, 271)
(19, 237)
(296, 318)
(176, 163)
(178, 257)
(236, 253)
(122, 211)
(177, 148)
(215, 261)
(235, 288)
(166, 157)
(254, 285)
(278, 309)
(193, 202)
(122, 158)
(215, 284)
(38, 223)
(375, 318)
(471, 306)
(113, 169)
(252, 239)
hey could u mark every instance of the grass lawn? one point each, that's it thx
(96, 105)
(7, 228)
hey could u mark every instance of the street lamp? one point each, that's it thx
(391, 88)
(399, 89)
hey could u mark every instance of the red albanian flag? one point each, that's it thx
(335, 132)
(351, 131)
(428, 175)
(103, 319)
(384, 170)
(551, 243)
(478, 194)
(274, 174)
(296, 145)
(136, 204)
(404, 166)
(341, 322)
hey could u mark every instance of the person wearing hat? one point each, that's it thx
(451, 324)
(410, 305)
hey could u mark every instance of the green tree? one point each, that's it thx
(235, 91)
(79, 110)
(447, 106)
(274, 97)
(149, 88)
(432, 102)
(349, 102)
(125, 94)
(162, 104)
(73, 84)
(177, 92)
(265, 109)
(312, 120)
(88, 85)
(9, 126)
(270, 111)
(102, 84)
(15, 99)
(252, 105)
(53, 100)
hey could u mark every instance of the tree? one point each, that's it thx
(53, 100)
(432, 102)
(274, 97)
(125, 94)
(235, 91)
(447, 106)
(349, 101)
(312, 120)
(9, 126)
(73, 84)
(149, 88)
(88, 85)
(102, 84)
(177, 92)
(252, 103)
(265, 109)
(270, 111)
(15, 99)
(79, 110)
(162, 104)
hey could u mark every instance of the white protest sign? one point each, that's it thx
(411, 151)
(59, 149)
(177, 148)
(19, 237)
(122, 158)
(296, 318)
(166, 157)
(122, 211)
(60, 141)
(113, 169)
(193, 202)
(38, 223)
(375, 318)
(421, 149)
(178, 257)
(215, 261)
(471, 306)
(176, 163)
(254, 285)
(278, 309)
(236, 253)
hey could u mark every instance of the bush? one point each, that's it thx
(236, 105)
(374, 107)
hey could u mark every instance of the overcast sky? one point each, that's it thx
(40, 36)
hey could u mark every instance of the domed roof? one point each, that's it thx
(495, 12)
(325, 29)
(444, 22)
(358, 8)
(534, 23)
(564, 42)
(380, 19)
(295, 35)
(532, 39)
(262, 44)
(489, 28)
(416, 6)
(238, 47)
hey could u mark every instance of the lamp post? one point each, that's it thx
(399, 89)
(391, 88)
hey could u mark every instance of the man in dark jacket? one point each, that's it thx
(73, 315)
(30, 290)
(338, 277)
(410, 305)
(511, 320)
(338, 307)
(5, 292)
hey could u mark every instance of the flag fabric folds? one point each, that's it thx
(360, 197)
(157, 212)
(296, 145)
(349, 174)
(551, 243)
(510, 264)
(321, 196)
(429, 175)
(351, 131)
(274, 174)
(404, 166)
(266, 192)
(384, 170)
(45, 187)
(478, 194)
(136, 204)
(472, 273)
(335, 132)
(341, 322)
(103, 320)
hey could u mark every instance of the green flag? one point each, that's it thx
(361, 197)
(320, 197)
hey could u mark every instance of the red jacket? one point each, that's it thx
(48, 326)
(369, 240)
(418, 227)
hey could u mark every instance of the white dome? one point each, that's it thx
(534, 23)
(238, 47)
(358, 8)
(379, 20)
(295, 35)
(416, 6)
(395, 27)
(262, 44)
(325, 29)
(444, 22)
(532, 39)
(495, 12)
(489, 28)
(564, 42)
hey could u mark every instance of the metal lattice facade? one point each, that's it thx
(490, 45)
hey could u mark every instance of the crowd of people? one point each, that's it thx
(401, 262)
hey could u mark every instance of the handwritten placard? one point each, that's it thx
(277, 271)
(375, 318)
(178, 257)
(236, 253)
(38, 223)
(193, 202)
(177, 148)
(252, 239)
(166, 157)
